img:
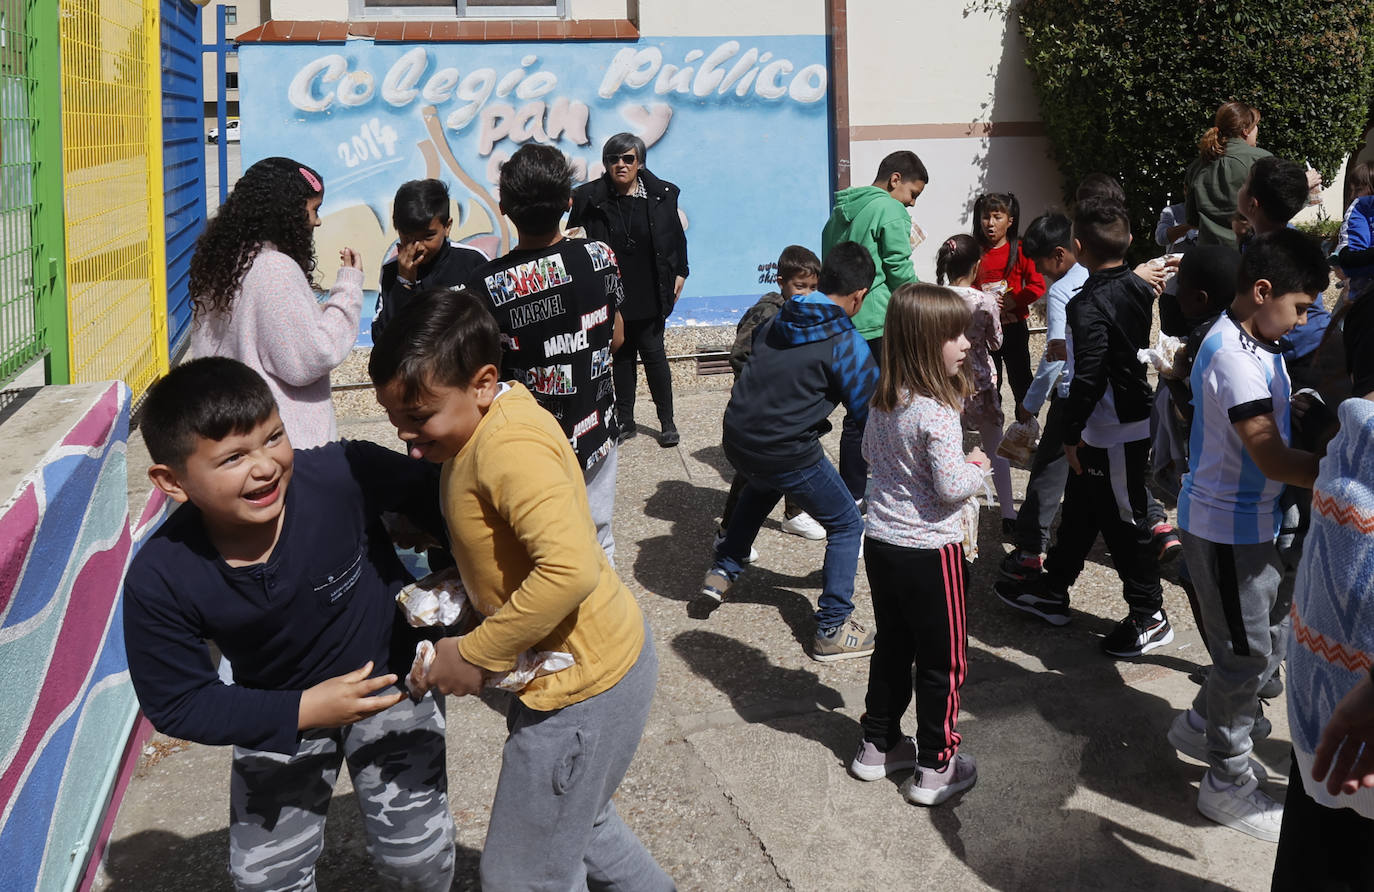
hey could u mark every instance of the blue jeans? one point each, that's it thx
(819, 491)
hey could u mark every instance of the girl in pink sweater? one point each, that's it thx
(253, 292)
(913, 545)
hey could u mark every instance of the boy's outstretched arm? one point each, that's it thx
(346, 699)
(182, 695)
(178, 687)
(530, 489)
(1275, 458)
(391, 481)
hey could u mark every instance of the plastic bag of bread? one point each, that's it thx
(1019, 442)
(1164, 355)
(528, 666)
(437, 600)
(968, 518)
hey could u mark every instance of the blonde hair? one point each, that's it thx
(1234, 119)
(921, 319)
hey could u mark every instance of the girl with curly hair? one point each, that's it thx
(253, 292)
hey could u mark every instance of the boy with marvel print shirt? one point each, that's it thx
(555, 299)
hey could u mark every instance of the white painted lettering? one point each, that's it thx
(439, 88)
(356, 88)
(809, 84)
(327, 69)
(709, 75)
(398, 87)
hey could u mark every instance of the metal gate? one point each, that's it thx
(183, 154)
(22, 334)
(112, 188)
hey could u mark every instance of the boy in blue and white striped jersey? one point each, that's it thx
(1228, 508)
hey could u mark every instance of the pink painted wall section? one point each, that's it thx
(67, 708)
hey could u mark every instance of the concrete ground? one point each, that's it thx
(740, 779)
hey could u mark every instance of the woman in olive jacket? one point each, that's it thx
(636, 213)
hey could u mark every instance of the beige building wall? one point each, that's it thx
(250, 14)
(952, 88)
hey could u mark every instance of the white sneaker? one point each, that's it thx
(804, 525)
(720, 537)
(1244, 807)
(1188, 738)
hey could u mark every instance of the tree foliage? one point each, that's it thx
(1129, 86)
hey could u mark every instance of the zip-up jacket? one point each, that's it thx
(591, 209)
(1109, 398)
(450, 268)
(806, 360)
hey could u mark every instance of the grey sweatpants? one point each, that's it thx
(1243, 600)
(600, 482)
(553, 826)
(278, 803)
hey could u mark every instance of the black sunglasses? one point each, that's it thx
(628, 158)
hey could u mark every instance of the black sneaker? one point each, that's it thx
(669, 437)
(1037, 597)
(1020, 566)
(1138, 633)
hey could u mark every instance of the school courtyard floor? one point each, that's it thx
(740, 780)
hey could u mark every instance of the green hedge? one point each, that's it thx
(1129, 86)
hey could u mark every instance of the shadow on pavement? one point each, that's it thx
(762, 693)
(162, 861)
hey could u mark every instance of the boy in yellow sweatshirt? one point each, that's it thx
(522, 536)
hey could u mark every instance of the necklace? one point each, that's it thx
(625, 221)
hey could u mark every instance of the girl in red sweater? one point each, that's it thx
(1011, 277)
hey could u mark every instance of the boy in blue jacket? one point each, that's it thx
(281, 559)
(805, 361)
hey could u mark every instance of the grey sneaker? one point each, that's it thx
(1273, 688)
(844, 642)
(716, 584)
(1243, 806)
(871, 763)
(1188, 735)
(929, 786)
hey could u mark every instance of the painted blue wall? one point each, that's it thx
(739, 124)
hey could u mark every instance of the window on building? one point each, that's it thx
(486, 9)
(231, 15)
(231, 80)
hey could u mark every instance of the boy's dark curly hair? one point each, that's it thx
(267, 204)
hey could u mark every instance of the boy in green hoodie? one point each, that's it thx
(875, 217)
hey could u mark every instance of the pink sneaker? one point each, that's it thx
(871, 763)
(930, 786)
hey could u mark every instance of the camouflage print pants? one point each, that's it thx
(278, 803)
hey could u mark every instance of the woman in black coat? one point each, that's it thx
(635, 213)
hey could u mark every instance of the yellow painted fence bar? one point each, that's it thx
(112, 154)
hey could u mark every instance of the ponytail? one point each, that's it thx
(956, 258)
(1212, 145)
(1234, 119)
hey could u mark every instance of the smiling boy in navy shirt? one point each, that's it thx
(281, 559)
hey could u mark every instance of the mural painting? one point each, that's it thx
(740, 125)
